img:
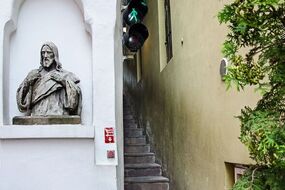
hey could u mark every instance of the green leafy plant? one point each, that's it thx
(255, 47)
(262, 178)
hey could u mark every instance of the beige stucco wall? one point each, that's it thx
(185, 106)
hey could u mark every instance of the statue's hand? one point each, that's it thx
(32, 77)
(58, 78)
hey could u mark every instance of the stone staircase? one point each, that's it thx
(141, 171)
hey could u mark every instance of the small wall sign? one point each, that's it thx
(109, 135)
(110, 154)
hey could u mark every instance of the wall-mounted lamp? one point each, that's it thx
(223, 67)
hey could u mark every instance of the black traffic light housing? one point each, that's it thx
(133, 15)
(135, 12)
(135, 37)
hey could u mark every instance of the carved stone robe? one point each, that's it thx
(49, 97)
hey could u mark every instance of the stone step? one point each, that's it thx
(129, 121)
(135, 140)
(136, 170)
(136, 132)
(127, 107)
(146, 179)
(137, 148)
(126, 101)
(128, 117)
(130, 125)
(147, 186)
(127, 110)
(139, 158)
(146, 183)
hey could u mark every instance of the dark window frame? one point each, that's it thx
(168, 30)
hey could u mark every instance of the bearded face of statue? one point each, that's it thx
(47, 57)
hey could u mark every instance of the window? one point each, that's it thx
(165, 33)
(168, 31)
(138, 60)
(233, 173)
(239, 171)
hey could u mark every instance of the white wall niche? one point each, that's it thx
(39, 21)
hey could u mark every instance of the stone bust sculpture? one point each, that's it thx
(49, 90)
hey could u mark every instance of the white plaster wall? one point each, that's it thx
(119, 96)
(53, 165)
(61, 157)
(104, 98)
(61, 22)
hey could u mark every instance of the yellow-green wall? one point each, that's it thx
(188, 113)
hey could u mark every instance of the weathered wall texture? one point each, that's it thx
(185, 106)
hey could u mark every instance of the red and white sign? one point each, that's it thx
(110, 154)
(109, 135)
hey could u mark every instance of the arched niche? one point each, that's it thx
(34, 22)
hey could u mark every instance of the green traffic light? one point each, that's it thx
(135, 12)
(133, 16)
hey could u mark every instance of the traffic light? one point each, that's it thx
(135, 12)
(133, 16)
(135, 37)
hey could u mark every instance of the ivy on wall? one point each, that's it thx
(255, 46)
